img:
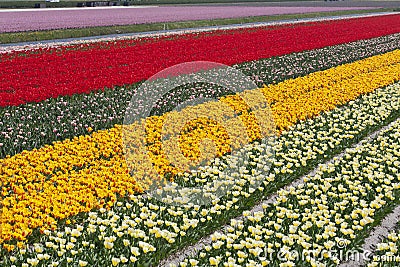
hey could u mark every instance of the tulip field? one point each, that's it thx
(329, 90)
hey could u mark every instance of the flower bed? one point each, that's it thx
(69, 194)
(33, 76)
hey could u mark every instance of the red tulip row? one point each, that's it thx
(41, 74)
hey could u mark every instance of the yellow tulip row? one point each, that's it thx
(54, 182)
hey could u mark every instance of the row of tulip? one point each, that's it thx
(141, 230)
(319, 221)
(90, 171)
(78, 114)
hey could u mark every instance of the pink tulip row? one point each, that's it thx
(34, 20)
